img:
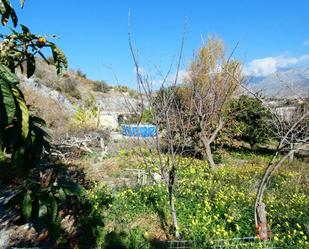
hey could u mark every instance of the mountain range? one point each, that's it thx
(285, 83)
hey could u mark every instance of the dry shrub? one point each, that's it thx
(69, 87)
(100, 86)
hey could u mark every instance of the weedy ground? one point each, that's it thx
(210, 205)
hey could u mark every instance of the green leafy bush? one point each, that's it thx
(42, 196)
(38, 195)
(253, 121)
(98, 200)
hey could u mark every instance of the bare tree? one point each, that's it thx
(163, 152)
(292, 134)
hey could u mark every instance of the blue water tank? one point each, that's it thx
(142, 130)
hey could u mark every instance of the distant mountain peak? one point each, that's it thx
(286, 82)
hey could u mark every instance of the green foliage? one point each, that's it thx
(40, 198)
(7, 12)
(86, 115)
(82, 116)
(40, 194)
(252, 121)
(21, 134)
(102, 201)
(127, 239)
(20, 47)
(91, 104)
(99, 199)
(125, 89)
(146, 117)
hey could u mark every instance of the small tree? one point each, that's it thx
(213, 81)
(292, 135)
(253, 120)
(164, 112)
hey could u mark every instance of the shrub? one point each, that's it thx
(253, 121)
(122, 88)
(99, 199)
(100, 86)
(81, 74)
(69, 87)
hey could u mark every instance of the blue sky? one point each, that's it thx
(93, 34)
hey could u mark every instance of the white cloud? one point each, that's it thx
(306, 43)
(182, 76)
(268, 65)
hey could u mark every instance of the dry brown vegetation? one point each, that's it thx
(53, 113)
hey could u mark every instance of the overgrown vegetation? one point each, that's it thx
(210, 206)
(196, 179)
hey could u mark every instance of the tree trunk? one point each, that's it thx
(262, 221)
(174, 216)
(171, 181)
(208, 141)
(291, 157)
(251, 145)
(209, 156)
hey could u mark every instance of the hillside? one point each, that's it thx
(59, 100)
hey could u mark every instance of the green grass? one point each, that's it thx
(212, 205)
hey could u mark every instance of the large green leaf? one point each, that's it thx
(53, 207)
(8, 108)
(7, 12)
(27, 206)
(30, 65)
(71, 188)
(8, 75)
(23, 112)
(7, 102)
(24, 29)
(62, 195)
(14, 17)
(38, 120)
